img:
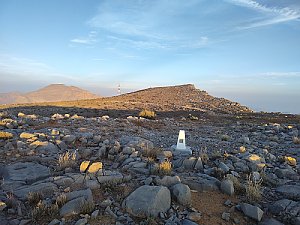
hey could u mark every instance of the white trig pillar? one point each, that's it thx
(181, 140)
(119, 89)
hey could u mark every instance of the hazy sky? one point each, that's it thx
(245, 50)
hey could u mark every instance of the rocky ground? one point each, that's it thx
(85, 167)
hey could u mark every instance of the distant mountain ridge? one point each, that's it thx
(50, 93)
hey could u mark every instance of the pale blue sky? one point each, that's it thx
(245, 50)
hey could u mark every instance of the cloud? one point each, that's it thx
(280, 75)
(271, 15)
(143, 24)
(98, 59)
(89, 40)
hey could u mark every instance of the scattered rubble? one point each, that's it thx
(73, 169)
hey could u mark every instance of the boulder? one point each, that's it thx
(27, 172)
(290, 191)
(26, 135)
(44, 147)
(86, 193)
(110, 177)
(182, 194)
(148, 201)
(227, 187)
(168, 181)
(252, 211)
(47, 189)
(270, 221)
(202, 183)
(73, 207)
(68, 139)
(188, 222)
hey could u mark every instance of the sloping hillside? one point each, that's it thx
(50, 93)
(171, 98)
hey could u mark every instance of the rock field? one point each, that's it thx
(60, 168)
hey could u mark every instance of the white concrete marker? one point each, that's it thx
(181, 140)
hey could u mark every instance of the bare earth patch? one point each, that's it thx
(211, 205)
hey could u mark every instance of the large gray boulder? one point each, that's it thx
(252, 211)
(47, 189)
(202, 183)
(27, 172)
(44, 147)
(148, 201)
(86, 193)
(73, 207)
(288, 210)
(270, 221)
(290, 191)
(182, 193)
(77, 201)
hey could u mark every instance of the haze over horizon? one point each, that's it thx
(244, 50)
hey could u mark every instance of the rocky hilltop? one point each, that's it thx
(50, 93)
(160, 99)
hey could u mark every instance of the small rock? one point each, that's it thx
(188, 222)
(194, 216)
(54, 222)
(227, 202)
(95, 214)
(81, 221)
(226, 216)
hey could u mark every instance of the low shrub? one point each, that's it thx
(164, 168)
(148, 114)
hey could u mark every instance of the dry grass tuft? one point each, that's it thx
(5, 135)
(164, 168)
(203, 155)
(61, 200)
(296, 140)
(87, 207)
(34, 198)
(67, 159)
(148, 114)
(44, 212)
(253, 190)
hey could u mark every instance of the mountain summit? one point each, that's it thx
(50, 93)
